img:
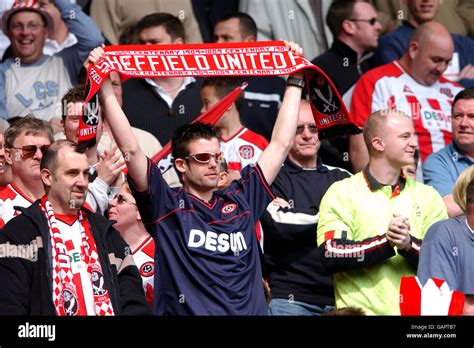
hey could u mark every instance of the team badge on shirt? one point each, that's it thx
(228, 208)
(446, 91)
(147, 269)
(246, 152)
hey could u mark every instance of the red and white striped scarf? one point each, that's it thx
(225, 59)
(68, 296)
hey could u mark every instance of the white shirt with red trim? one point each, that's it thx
(243, 148)
(144, 258)
(10, 197)
(391, 86)
(70, 228)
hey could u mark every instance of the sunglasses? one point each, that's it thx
(122, 200)
(28, 151)
(371, 21)
(205, 157)
(311, 127)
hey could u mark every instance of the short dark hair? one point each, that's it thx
(189, 132)
(470, 193)
(246, 23)
(31, 125)
(223, 85)
(172, 24)
(467, 93)
(76, 95)
(50, 157)
(339, 11)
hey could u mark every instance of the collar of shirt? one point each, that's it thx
(408, 24)
(294, 168)
(375, 185)
(456, 154)
(187, 81)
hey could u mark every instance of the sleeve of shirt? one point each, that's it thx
(157, 201)
(87, 33)
(436, 174)
(335, 235)
(97, 195)
(288, 223)
(361, 104)
(437, 258)
(255, 189)
(16, 273)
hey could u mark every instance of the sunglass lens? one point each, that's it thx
(29, 150)
(203, 157)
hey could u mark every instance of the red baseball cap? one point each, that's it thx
(27, 5)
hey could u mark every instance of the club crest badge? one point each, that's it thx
(147, 269)
(246, 152)
(323, 97)
(68, 301)
(228, 208)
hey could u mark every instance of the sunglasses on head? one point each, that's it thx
(122, 200)
(205, 157)
(311, 127)
(371, 21)
(28, 151)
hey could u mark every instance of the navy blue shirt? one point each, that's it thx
(206, 257)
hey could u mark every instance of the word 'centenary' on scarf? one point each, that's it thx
(229, 59)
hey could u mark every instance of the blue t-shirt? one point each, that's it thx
(207, 256)
(442, 168)
(447, 253)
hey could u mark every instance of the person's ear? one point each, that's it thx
(378, 144)
(348, 27)
(179, 41)
(180, 165)
(46, 176)
(413, 48)
(8, 156)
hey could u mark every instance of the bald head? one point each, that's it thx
(432, 32)
(376, 126)
(429, 53)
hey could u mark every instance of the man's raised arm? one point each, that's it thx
(285, 128)
(122, 131)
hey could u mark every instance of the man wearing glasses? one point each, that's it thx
(69, 261)
(25, 142)
(356, 30)
(207, 256)
(299, 285)
(31, 82)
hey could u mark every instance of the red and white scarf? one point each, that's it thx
(68, 296)
(223, 59)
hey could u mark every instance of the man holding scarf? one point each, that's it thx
(207, 252)
(58, 258)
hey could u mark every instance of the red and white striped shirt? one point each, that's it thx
(243, 148)
(391, 86)
(10, 197)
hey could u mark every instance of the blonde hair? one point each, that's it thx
(460, 186)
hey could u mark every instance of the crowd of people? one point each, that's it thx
(257, 215)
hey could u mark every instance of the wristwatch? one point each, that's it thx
(294, 81)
